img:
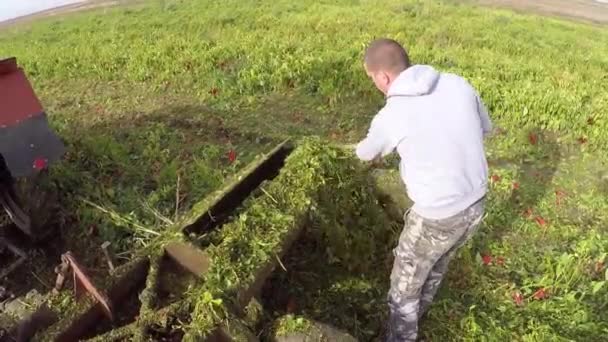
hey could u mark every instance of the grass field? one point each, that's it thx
(159, 103)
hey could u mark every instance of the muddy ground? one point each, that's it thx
(62, 10)
(580, 10)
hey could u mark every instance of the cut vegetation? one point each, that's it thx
(162, 104)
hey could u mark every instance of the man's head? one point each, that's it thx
(385, 59)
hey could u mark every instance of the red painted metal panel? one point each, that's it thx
(8, 65)
(18, 101)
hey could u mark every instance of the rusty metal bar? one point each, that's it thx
(81, 278)
(125, 285)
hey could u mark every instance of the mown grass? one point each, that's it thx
(151, 99)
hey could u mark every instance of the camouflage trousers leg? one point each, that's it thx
(421, 260)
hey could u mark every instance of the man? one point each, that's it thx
(436, 122)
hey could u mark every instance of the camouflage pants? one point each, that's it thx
(421, 260)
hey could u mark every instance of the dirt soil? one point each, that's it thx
(82, 6)
(580, 10)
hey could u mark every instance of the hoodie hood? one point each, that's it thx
(414, 81)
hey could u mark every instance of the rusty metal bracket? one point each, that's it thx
(80, 280)
(62, 271)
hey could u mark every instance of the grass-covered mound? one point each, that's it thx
(315, 182)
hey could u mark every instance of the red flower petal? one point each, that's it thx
(515, 185)
(487, 259)
(232, 155)
(540, 294)
(518, 298)
(533, 138)
(495, 178)
(541, 221)
(39, 164)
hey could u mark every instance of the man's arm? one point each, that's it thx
(376, 144)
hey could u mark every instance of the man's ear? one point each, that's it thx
(386, 78)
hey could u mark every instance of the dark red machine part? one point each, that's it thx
(27, 147)
(27, 143)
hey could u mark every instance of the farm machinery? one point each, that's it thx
(201, 279)
(27, 147)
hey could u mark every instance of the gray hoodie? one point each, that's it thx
(437, 123)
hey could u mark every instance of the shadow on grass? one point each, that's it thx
(329, 293)
(129, 164)
(534, 169)
(355, 302)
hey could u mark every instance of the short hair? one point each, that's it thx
(386, 54)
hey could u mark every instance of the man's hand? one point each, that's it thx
(376, 162)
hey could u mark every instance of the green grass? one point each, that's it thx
(150, 101)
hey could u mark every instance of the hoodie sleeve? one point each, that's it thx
(486, 123)
(377, 142)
